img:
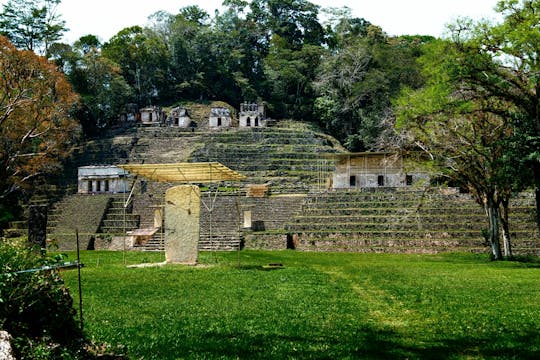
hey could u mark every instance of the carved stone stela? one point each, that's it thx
(182, 211)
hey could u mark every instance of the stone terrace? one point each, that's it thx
(397, 221)
(287, 158)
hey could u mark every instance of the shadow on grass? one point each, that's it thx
(366, 343)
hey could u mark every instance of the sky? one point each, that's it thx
(105, 18)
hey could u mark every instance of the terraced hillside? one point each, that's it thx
(287, 156)
(398, 221)
(299, 213)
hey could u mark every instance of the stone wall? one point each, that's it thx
(268, 214)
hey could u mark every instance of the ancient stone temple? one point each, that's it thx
(179, 117)
(252, 115)
(106, 179)
(152, 115)
(220, 117)
(374, 169)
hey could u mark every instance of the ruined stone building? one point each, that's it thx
(129, 114)
(252, 115)
(373, 169)
(151, 116)
(107, 179)
(179, 117)
(220, 117)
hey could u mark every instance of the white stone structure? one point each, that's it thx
(106, 179)
(252, 115)
(179, 117)
(6, 352)
(373, 169)
(151, 116)
(220, 117)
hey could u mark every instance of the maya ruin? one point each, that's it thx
(297, 189)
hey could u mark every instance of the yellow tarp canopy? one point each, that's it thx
(184, 172)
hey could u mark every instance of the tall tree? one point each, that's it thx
(358, 79)
(32, 24)
(102, 89)
(509, 70)
(36, 126)
(467, 133)
(291, 43)
(140, 60)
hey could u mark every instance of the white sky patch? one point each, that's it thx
(105, 18)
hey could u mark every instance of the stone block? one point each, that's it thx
(182, 211)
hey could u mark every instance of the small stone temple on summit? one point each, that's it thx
(151, 116)
(252, 115)
(179, 117)
(183, 202)
(220, 117)
(108, 179)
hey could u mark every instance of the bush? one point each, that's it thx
(35, 307)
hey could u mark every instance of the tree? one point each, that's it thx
(102, 89)
(32, 24)
(290, 41)
(290, 74)
(36, 127)
(466, 132)
(294, 21)
(129, 49)
(358, 79)
(508, 71)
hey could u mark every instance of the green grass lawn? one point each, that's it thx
(318, 306)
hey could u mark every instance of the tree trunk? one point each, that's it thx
(536, 172)
(537, 193)
(492, 211)
(507, 245)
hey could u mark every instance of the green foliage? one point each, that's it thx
(478, 117)
(319, 305)
(6, 215)
(32, 24)
(262, 50)
(35, 307)
(359, 79)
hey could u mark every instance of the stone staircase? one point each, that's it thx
(219, 223)
(82, 213)
(400, 221)
(156, 243)
(115, 221)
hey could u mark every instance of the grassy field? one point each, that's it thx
(318, 306)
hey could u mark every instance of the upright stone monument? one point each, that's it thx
(182, 211)
(37, 226)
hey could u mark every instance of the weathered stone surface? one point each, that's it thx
(119, 243)
(182, 211)
(5, 346)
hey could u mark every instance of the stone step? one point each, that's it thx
(120, 223)
(381, 226)
(407, 234)
(224, 242)
(424, 211)
(121, 217)
(18, 225)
